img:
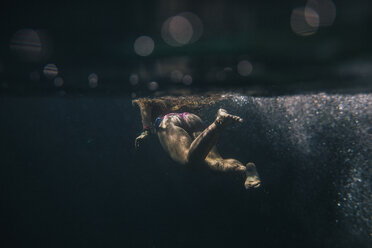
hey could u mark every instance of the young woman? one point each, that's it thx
(188, 141)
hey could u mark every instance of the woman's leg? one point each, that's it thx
(204, 142)
(178, 142)
(174, 139)
(247, 173)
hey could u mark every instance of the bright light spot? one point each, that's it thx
(187, 79)
(50, 71)
(144, 45)
(93, 80)
(153, 86)
(182, 29)
(244, 68)
(325, 9)
(26, 44)
(299, 21)
(133, 79)
(58, 81)
(176, 76)
(35, 76)
(196, 24)
(311, 17)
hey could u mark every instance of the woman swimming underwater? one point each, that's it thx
(186, 139)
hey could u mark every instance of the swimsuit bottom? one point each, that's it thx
(159, 119)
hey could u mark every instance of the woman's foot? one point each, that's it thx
(253, 179)
(224, 119)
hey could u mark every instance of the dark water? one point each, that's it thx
(70, 176)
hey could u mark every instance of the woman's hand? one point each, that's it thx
(141, 138)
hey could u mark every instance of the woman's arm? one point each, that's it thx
(147, 127)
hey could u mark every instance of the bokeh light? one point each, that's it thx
(176, 76)
(58, 82)
(304, 21)
(182, 29)
(196, 24)
(325, 9)
(50, 71)
(133, 79)
(153, 86)
(93, 80)
(187, 79)
(26, 44)
(244, 68)
(144, 45)
(311, 17)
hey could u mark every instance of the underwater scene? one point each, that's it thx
(173, 123)
(73, 177)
